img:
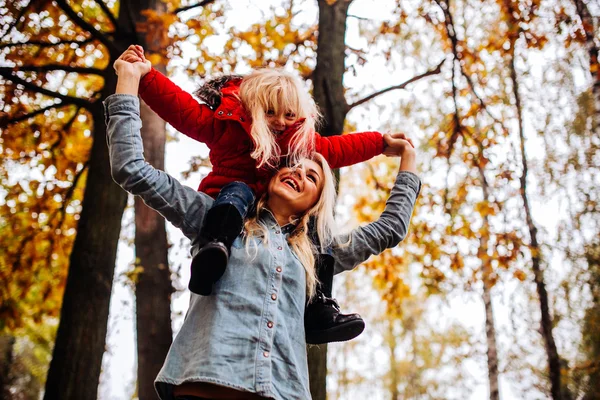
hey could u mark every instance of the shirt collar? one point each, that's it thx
(286, 229)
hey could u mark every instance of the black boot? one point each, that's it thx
(323, 321)
(222, 225)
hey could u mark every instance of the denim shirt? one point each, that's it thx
(249, 333)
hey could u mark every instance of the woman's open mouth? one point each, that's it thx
(291, 182)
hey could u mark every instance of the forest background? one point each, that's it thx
(494, 294)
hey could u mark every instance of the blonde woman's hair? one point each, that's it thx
(299, 239)
(279, 91)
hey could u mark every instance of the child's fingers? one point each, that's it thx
(139, 51)
(132, 59)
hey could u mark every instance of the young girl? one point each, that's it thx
(250, 124)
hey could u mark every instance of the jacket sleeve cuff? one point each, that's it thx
(411, 180)
(147, 80)
(116, 103)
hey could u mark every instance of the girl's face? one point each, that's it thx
(293, 191)
(281, 121)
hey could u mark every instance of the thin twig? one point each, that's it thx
(432, 71)
(201, 4)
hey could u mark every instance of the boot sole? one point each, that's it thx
(207, 268)
(340, 333)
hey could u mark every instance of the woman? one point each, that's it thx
(246, 340)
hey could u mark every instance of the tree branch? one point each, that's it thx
(54, 67)
(433, 71)
(451, 32)
(46, 44)
(65, 129)
(35, 88)
(109, 14)
(4, 122)
(87, 26)
(17, 19)
(357, 17)
(201, 4)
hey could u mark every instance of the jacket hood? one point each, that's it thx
(211, 92)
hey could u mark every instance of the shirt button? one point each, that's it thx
(270, 324)
(278, 269)
(280, 248)
(266, 354)
(274, 296)
(277, 232)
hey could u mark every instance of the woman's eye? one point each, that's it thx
(270, 112)
(312, 178)
(290, 115)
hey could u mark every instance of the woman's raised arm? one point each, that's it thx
(184, 207)
(391, 227)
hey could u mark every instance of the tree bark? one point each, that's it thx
(76, 363)
(328, 87)
(328, 92)
(394, 378)
(536, 252)
(77, 357)
(7, 343)
(153, 287)
(490, 327)
(592, 49)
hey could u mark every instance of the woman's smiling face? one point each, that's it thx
(295, 190)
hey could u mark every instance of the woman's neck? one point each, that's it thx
(283, 218)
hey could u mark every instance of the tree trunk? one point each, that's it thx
(536, 251)
(394, 379)
(76, 363)
(490, 334)
(592, 49)
(7, 343)
(328, 87)
(328, 92)
(490, 327)
(77, 357)
(153, 288)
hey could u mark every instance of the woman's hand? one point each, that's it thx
(396, 144)
(132, 62)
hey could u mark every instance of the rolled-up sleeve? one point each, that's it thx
(184, 207)
(389, 230)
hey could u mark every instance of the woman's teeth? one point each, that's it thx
(291, 183)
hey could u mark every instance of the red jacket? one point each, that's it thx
(224, 127)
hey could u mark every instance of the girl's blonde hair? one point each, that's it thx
(299, 240)
(279, 91)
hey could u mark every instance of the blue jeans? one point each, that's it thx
(236, 194)
(225, 219)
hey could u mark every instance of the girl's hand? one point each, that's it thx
(132, 62)
(396, 144)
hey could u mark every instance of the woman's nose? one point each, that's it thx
(299, 171)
